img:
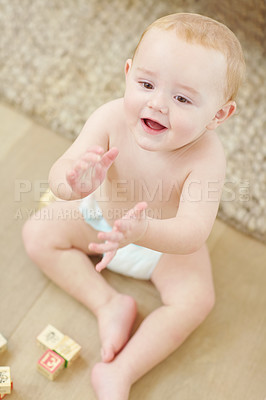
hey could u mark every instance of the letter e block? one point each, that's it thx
(50, 364)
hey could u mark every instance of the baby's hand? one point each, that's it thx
(90, 170)
(128, 229)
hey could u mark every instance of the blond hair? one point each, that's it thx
(196, 28)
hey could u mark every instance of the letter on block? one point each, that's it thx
(68, 349)
(5, 380)
(3, 343)
(50, 364)
(49, 337)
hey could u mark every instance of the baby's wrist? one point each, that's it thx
(142, 235)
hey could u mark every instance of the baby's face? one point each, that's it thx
(173, 91)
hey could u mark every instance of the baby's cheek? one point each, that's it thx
(186, 130)
(185, 124)
(131, 102)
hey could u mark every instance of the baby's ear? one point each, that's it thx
(222, 115)
(128, 66)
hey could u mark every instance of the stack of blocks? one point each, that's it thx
(60, 352)
(6, 383)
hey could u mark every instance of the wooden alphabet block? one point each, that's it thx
(2, 396)
(68, 349)
(5, 381)
(49, 337)
(50, 364)
(3, 343)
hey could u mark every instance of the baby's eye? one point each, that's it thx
(147, 85)
(182, 99)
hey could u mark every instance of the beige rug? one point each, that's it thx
(61, 59)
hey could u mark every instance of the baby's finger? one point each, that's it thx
(113, 236)
(103, 247)
(122, 225)
(140, 209)
(95, 149)
(81, 165)
(91, 158)
(109, 157)
(71, 176)
(105, 260)
(136, 211)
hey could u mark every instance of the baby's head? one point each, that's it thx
(182, 81)
(198, 29)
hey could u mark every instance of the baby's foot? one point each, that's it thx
(115, 321)
(108, 383)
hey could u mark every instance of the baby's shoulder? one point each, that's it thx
(112, 108)
(111, 115)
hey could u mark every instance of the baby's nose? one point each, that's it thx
(158, 103)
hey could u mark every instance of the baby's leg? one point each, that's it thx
(57, 240)
(186, 288)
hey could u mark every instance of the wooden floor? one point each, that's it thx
(225, 359)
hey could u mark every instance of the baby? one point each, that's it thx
(144, 178)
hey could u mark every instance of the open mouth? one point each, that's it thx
(152, 127)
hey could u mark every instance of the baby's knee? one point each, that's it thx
(205, 303)
(198, 302)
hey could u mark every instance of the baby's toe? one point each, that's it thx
(107, 353)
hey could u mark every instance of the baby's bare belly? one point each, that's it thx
(115, 202)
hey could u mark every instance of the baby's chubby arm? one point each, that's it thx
(190, 228)
(83, 167)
